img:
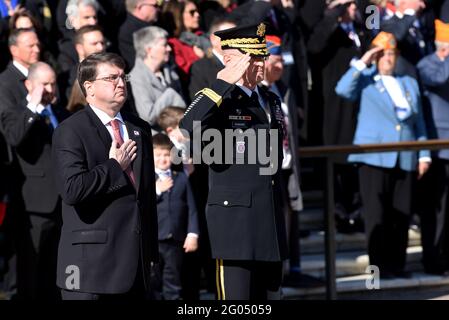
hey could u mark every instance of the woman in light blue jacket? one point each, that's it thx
(390, 111)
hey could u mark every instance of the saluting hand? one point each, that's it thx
(125, 154)
(371, 55)
(234, 70)
(36, 94)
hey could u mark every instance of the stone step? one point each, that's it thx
(353, 263)
(314, 243)
(311, 218)
(420, 286)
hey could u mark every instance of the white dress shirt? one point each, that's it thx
(106, 120)
(22, 69)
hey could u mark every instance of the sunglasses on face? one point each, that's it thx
(192, 12)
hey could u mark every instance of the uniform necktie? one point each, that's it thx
(255, 99)
(118, 138)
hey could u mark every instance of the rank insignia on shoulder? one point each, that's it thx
(244, 118)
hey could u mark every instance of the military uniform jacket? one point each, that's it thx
(244, 209)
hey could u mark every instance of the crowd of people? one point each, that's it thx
(95, 95)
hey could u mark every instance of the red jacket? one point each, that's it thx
(184, 56)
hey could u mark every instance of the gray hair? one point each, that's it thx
(16, 33)
(72, 9)
(146, 38)
(441, 45)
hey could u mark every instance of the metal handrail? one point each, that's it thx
(328, 152)
(322, 151)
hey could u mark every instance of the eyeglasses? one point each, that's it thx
(193, 11)
(115, 78)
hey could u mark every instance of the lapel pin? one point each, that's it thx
(136, 133)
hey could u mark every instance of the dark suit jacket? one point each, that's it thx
(4, 51)
(12, 87)
(31, 139)
(125, 38)
(203, 73)
(12, 92)
(68, 57)
(176, 210)
(107, 224)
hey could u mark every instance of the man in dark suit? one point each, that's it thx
(177, 220)
(338, 38)
(79, 14)
(88, 40)
(111, 14)
(244, 208)
(24, 49)
(105, 175)
(140, 14)
(28, 128)
(204, 71)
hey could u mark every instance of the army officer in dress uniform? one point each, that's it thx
(244, 208)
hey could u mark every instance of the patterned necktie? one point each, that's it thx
(118, 138)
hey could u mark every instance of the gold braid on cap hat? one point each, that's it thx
(255, 51)
(236, 41)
